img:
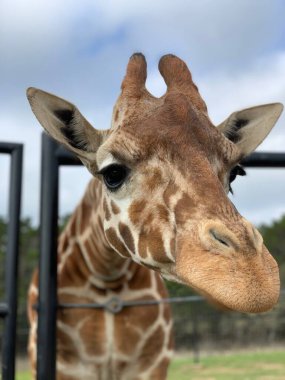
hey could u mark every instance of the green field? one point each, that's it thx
(240, 366)
(23, 376)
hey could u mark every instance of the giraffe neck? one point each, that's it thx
(84, 237)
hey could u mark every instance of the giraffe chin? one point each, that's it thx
(245, 283)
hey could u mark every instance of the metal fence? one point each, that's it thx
(53, 157)
(8, 306)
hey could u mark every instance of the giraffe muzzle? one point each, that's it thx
(233, 273)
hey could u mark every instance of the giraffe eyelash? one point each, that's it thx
(237, 170)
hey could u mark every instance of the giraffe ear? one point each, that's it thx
(63, 121)
(249, 127)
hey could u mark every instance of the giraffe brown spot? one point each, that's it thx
(152, 241)
(133, 323)
(127, 236)
(106, 210)
(149, 219)
(160, 371)
(184, 209)
(154, 180)
(115, 208)
(126, 346)
(73, 274)
(156, 247)
(141, 280)
(151, 348)
(142, 246)
(66, 350)
(93, 333)
(116, 242)
(135, 211)
(121, 367)
(86, 211)
(163, 213)
(141, 317)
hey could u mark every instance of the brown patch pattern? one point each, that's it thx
(116, 242)
(106, 210)
(127, 236)
(115, 208)
(135, 211)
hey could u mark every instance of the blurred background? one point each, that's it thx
(79, 51)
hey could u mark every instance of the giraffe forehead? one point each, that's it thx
(158, 150)
(137, 139)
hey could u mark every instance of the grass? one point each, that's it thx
(23, 376)
(238, 366)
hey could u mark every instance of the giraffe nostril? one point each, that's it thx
(217, 236)
(221, 238)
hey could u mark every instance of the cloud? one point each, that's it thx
(263, 82)
(79, 51)
(260, 195)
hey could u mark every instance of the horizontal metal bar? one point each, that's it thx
(123, 304)
(8, 148)
(4, 310)
(66, 158)
(265, 160)
(130, 303)
(117, 304)
(255, 160)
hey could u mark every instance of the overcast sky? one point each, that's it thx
(79, 51)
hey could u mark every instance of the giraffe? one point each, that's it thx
(157, 206)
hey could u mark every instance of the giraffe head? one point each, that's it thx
(166, 171)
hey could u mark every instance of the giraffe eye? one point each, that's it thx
(237, 170)
(114, 176)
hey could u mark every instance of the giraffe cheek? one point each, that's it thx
(151, 244)
(116, 243)
(127, 237)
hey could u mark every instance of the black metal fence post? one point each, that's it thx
(11, 264)
(46, 344)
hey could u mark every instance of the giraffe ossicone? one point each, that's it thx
(163, 171)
